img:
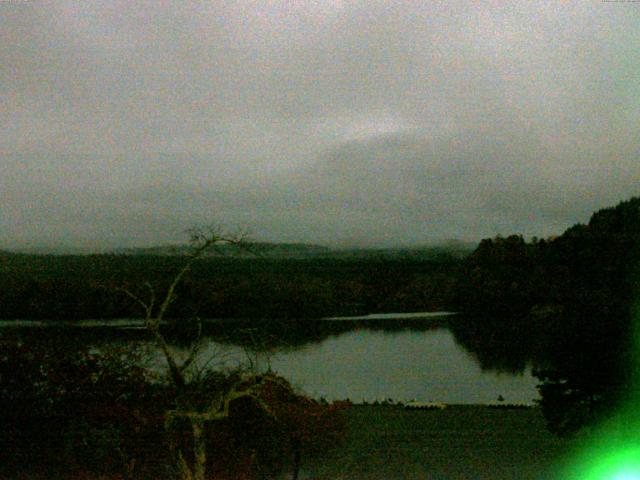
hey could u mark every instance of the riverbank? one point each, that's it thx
(470, 442)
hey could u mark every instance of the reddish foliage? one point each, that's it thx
(93, 415)
(254, 442)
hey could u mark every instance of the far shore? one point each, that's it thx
(392, 316)
(139, 323)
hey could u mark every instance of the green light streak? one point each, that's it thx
(612, 451)
(614, 464)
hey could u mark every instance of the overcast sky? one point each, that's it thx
(337, 122)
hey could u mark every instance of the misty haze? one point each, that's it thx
(319, 239)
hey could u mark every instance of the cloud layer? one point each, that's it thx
(363, 122)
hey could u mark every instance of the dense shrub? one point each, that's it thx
(67, 409)
(68, 412)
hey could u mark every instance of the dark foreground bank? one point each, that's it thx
(459, 442)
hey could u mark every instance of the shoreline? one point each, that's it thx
(458, 443)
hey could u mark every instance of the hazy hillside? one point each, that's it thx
(451, 248)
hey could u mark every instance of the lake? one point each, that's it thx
(363, 359)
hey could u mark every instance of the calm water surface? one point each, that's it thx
(367, 364)
(375, 365)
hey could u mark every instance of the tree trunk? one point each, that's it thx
(297, 458)
(199, 449)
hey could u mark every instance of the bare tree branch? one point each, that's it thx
(147, 307)
(245, 386)
(195, 348)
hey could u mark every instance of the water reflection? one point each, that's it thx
(444, 359)
(498, 344)
(404, 365)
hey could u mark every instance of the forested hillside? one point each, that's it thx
(567, 303)
(90, 287)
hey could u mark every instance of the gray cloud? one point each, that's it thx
(330, 121)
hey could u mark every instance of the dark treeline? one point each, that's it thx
(564, 304)
(49, 287)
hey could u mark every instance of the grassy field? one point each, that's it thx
(460, 442)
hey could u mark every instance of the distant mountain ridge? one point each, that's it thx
(448, 248)
(252, 248)
(452, 248)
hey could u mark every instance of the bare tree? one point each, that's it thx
(243, 384)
